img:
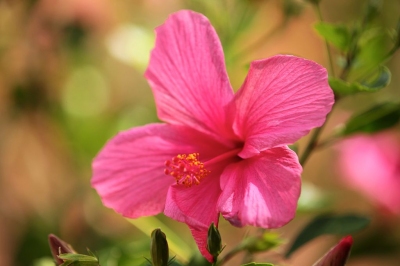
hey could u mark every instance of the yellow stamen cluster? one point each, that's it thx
(186, 169)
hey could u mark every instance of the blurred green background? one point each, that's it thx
(71, 76)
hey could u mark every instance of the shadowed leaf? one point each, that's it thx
(379, 117)
(328, 224)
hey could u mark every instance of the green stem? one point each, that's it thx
(311, 145)
(230, 255)
(328, 48)
(315, 135)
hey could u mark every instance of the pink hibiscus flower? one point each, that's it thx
(217, 152)
(371, 165)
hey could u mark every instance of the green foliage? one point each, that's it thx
(338, 35)
(72, 259)
(363, 48)
(377, 118)
(377, 80)
(328, 224)
(266, 241)
(372, 51)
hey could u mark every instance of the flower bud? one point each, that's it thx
(214, 245)
(338, 255)
(159, 248)
(57, 247)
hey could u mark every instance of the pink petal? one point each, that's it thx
(197, 207)
(281, 100)
(200, 236)
(199, 231)
(261, 191)
(129, 174)
(187, 74)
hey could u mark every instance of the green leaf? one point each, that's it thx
(328, 224)
(371, 52)
(343, 88)
(257, 264)
(379, 117)
(377, 80)
(74, 259)
(337, 35)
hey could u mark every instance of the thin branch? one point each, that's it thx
(328, 48)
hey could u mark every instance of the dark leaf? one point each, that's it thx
(328, 224)
(379, 117)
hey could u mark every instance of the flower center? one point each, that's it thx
(186, 169)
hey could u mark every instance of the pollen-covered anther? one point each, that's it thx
(186, 169)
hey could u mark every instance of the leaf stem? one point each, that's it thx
(311, 145)
(328, 48)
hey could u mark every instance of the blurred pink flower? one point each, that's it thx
(93, 14)
(371, 165)
(224, 152)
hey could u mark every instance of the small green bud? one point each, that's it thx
(159, 248)
(214, 245)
